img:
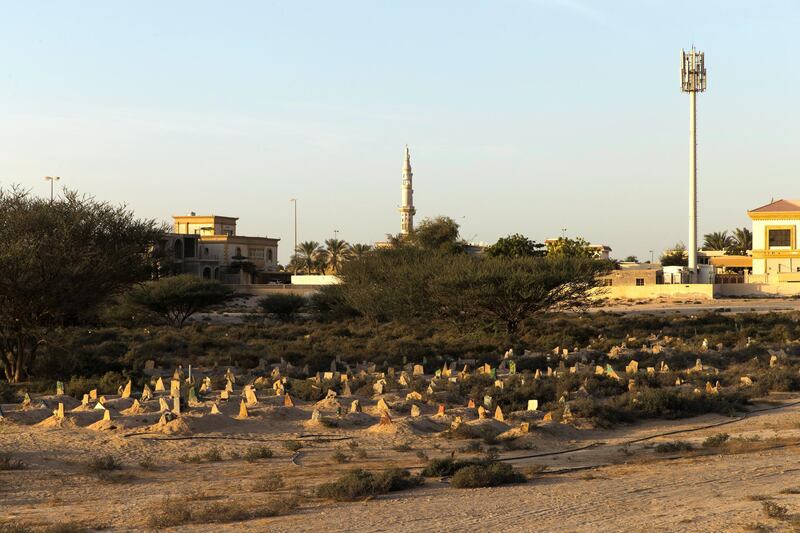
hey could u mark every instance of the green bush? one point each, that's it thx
(445, 467)
(358, 484)
(488, 475)
(715, 441)
(672, 447)
(283, 306)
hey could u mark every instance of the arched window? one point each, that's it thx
(216, 273)
(207, 273)
(269, 254)
(238, 252)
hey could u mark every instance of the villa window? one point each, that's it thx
(639, 282)
(780, 238)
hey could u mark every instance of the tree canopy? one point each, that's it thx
(59, 261)
(410, 283)
(516, 245)
(176, 298)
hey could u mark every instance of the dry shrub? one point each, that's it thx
(292, 445)
(340, 457)
(445, 467)
(268, 483)
(212, 455)
(7, 462)
(255, 453)
(488, 475)
(774, 510)
(716, 441)
(177, 513)
(359, 484)
(103, 463)
(672, 447)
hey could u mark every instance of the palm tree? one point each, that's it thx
(742, 241)
(307, 255)
(337, 251)
(718, 240)
(357, 251)
(395, 241)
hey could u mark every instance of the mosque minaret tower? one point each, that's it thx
(407, 210)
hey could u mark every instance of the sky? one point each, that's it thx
(540, 117)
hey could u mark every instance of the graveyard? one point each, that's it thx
(654, 423)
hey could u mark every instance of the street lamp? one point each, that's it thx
(651, 256)
(336, 234)
(294, 201)
(52, 180)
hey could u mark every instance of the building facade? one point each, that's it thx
(776, 256)
(209, 247)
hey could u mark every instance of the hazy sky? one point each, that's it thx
(522, 115)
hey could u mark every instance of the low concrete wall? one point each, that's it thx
(647, 292)
(756, 289)
(315, 280)
(263, 290)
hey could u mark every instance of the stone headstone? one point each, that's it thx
(59, 388)
(160, 385)
(146, 394)
(415, 410)
(440, 410)
(355, 406)
(498, 414)
(287, 401)
(126, 392)
(243, 409)
(418, 370)
(163, 405)
(214, 409)
(533, 405)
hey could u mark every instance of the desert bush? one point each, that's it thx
(292, 445)
(103, 463)
(212, 455)
(715, 441)
(173, 514)
(403, 447)
(672, 447)
(445, 467)
(774, 510)
(485, 475)
(284, 306)
(255, 453)
(268, 483)
(340, 457)
(7, 462)
(358, 484)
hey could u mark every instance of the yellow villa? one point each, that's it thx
(776, 257)
(208, 246)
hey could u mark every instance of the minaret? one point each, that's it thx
(407, 210)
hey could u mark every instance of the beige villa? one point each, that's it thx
(776, 257)
(208, 246)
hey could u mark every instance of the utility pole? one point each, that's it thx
(52, 180)
(693, 80)
(294, 201)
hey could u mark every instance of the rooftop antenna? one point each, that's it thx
(693, 80)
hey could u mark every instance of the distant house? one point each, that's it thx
(776, 256)
(208, 246)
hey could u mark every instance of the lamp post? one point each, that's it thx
(52, 180)
(336, 234)
(651, 257)
(693, 80)
(294, 201)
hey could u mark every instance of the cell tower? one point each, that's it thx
(693, 80)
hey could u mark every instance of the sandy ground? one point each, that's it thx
(614, 485)
(690, 306)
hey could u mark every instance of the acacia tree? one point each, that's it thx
(516, 245)
(410, 283)
(59, 261)
(176, 298)
(506, 291)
